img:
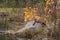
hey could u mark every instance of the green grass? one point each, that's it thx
(10, 10)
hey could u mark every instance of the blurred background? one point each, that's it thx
(12, 18)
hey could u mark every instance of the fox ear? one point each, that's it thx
(34, 23)
(43, 24)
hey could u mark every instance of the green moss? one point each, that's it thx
(40, 30)
(58, 17)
